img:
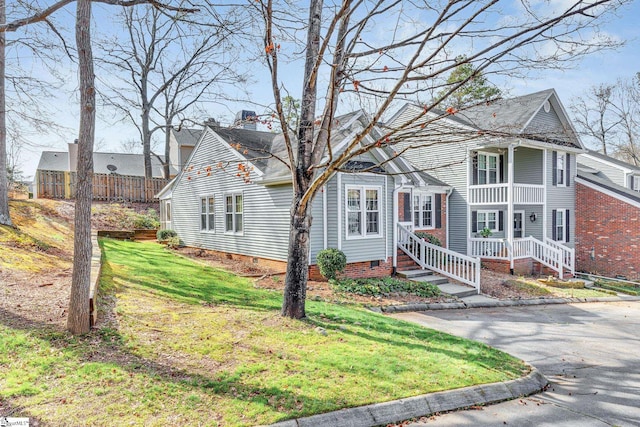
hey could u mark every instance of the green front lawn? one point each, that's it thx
(193, 345)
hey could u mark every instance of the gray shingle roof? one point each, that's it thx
(513, 116)
(254, 145)
(126, 164)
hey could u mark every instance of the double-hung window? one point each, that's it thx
(487, 219)
(560, 224)
(560, 169)
(422, 210)
(635, 182)
(488, 165)
(233, 213)
(207, 214)
(363, 215)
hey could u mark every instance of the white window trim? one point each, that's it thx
(635, 182)
(561, 173)
(421, 195)
(233, 195)
(563, 215)
(211, 228)
(489, 154)
(487, 212)
(363, 212)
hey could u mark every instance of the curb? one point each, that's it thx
(424, 405)
(497, 303)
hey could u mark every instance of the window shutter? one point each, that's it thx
(438, 202)
(553, 224)
(566, 227)
(474, 222)
(568, 168)
(500, 220)
(474, 162)
(502, 170)
(554, 167)
(407, 207)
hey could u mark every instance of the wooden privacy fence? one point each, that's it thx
(106, 187)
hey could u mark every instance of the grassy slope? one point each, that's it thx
(42, 240)
(194, 345)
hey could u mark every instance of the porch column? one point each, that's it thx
(509, 219)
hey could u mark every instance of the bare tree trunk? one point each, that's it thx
(295, 285)
(5, 218)
(167, 150)
(78, 321)
(146, 143)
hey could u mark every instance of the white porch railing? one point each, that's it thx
(491, 194)
(530, 194)
(549, 253)
(489, 248)
(488, 194)
(457, 266)
(568, 255)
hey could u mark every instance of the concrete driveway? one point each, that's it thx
(589, 352)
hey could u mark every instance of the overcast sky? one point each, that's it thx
(603, 67)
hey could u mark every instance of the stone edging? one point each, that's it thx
(493, 303)
(425, 405)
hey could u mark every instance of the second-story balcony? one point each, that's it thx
(497, 194)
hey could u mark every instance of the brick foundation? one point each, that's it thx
(357, 270)
(521, 267)
(607, 235)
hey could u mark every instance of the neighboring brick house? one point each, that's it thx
(607, 225)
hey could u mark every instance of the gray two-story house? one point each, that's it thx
(512, 166)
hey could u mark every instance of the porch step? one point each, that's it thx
(423, 276)
(459, 291)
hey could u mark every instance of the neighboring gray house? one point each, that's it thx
(181, 144)
(116, 176)
(618, 172)
(233, 196)
(512, 170)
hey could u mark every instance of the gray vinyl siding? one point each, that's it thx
(615, 174)
(559, 197)
(430, 159)
(265, 209)
(316, 234)
(534, 229)
(528, 166)
(544, 123)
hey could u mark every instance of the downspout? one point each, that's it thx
(325, 230)
(446, 226)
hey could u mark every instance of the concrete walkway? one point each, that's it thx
(589, 352)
